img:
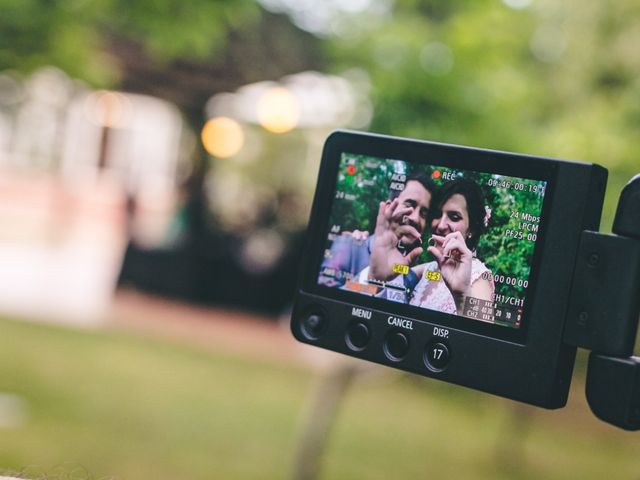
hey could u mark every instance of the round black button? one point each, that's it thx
(437, 356)
(396, 345)
(313, 325)
(358, 336)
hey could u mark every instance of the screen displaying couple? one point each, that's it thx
(454, 241)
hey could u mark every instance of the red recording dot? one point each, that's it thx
(351, 169)
(436, 174)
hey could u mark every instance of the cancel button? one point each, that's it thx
(400, 322)
(396, 345)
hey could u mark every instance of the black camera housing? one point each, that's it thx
(531, 364)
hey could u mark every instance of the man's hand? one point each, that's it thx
(384, 251)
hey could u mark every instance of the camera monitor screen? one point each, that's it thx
(455, 241)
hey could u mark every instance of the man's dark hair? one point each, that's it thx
(420, 177)
(475, 206)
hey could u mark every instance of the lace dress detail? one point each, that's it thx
(435, 295)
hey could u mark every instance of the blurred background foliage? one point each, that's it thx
(554, 78)
(545, 77)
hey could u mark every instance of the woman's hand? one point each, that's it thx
(454, 259)
(389, 229)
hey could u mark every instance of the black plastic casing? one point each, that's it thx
(531, 364)
(607, 267)
(613, 390)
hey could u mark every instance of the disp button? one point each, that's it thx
(437, 356)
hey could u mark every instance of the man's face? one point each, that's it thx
(415, 200)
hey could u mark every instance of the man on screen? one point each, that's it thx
(408, 211)
(458, 218)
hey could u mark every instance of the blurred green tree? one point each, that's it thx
(181, 52)
(545, 77)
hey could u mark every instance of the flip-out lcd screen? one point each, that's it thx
(455, 241)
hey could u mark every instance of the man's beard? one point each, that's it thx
(405, 248)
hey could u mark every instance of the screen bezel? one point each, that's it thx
(432, 154)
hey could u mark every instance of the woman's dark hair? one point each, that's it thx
(475, 206)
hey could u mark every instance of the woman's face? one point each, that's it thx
(454, 217)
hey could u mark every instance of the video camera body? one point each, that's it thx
(509, 341)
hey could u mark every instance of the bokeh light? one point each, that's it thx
(278, 110)
(518, 4)
(222, 137)
(436, 59)
(109, 109)
(332, 17)
(548, 43)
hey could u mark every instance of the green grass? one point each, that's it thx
(104, 404)
(132, 407)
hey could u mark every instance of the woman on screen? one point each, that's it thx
(457, 218)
